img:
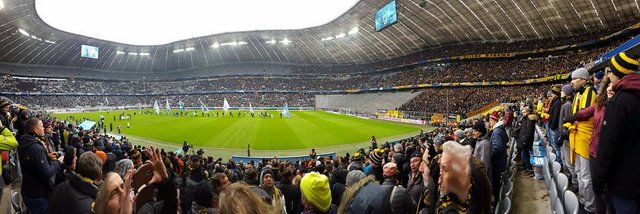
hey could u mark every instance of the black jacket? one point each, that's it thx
(37, 168)
(166, 198)
(291, 195)
(73, 196)
(618, 152)
(554, 114)
(527, 132)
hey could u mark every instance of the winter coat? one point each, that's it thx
(367, 196)
(527, 132)
(423, 200)
(483, 152)
(619, 148)
(554, 114)
(580, 131)
(598, 116)
(75, 195)
(565, 111)
(37, 167)
(7, 142)
(336, 193)
(499, 141)
(291, 195)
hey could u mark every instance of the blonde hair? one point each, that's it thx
(239, 198)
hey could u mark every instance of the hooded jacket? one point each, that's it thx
(499, 140)
(75, 195)
(37, 168)
(619, 149)
(367, 196)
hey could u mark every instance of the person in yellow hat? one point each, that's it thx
(316, 194)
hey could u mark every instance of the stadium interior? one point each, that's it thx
(359, 106)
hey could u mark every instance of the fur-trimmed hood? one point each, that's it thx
(368, 196)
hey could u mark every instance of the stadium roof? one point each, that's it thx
(350, 38)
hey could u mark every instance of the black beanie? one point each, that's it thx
(479, 126)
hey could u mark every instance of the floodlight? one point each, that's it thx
(23, 32)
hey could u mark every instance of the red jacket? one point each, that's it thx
(598, 117)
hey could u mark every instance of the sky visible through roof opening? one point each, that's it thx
(157, 22)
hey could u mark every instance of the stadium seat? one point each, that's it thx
(551, 158)
(505, 206)
(508, 190)
(553, 195)
(563, 183)
(556, 169)
(571, 204)
(15, 202)
(558, 209)
(546, 174)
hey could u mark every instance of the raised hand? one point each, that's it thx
(159, 171)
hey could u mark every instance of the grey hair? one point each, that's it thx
(460, 153)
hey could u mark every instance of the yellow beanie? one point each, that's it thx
(315, 187)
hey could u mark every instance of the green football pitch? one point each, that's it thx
(305, 129)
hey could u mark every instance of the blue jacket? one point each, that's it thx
(499, 140)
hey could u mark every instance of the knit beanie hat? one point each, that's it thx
(479, 126)
(122, 166)
(459, 134)
(389, 169)
(494, 116)
(567, 89)
(416, 154)
(354, 176)
(356, 157)
(264, 172)
(376, 156)
(4, 102)
(102, 155)
(315, 188)
(556, 90)
(580, 73)
(624, 64)
(599, 75)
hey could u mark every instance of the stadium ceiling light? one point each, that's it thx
(133, 53)
(285, 41)
(178, 50)
(50, 42)
(23, 32)
(190, 49)
(353, 31)
(242, 43)
(271, 42)
(340, 35)
(143, 54)
(229, 43)
(119, 52)
(34, 37)
(215, 45)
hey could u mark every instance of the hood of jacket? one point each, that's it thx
(628, 83)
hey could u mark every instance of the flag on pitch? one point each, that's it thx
(156, 107)
(250, 108)
(168, 108)
(285, 111)
(226, 106)
(204, 107)
(106, 100)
